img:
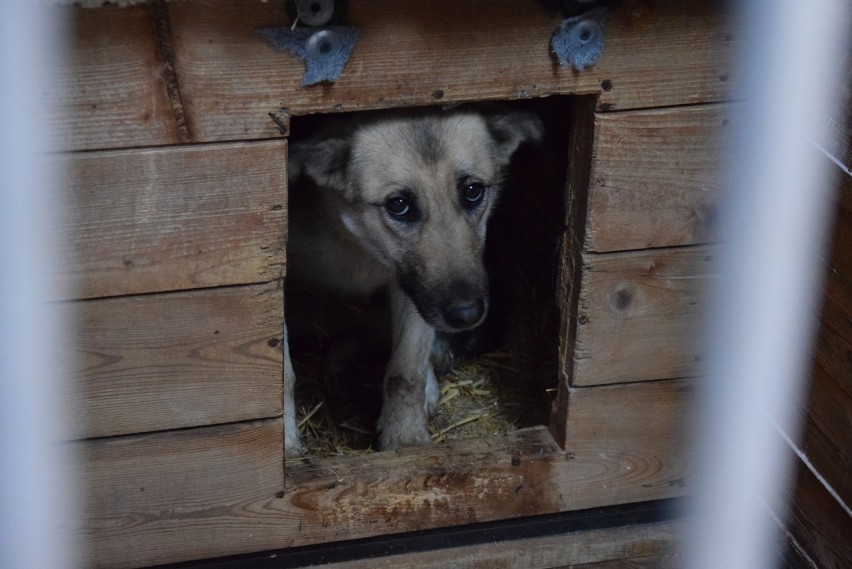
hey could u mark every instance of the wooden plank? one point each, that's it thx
(185, 217)
(594, 549)
(180, 495)
(110, 90)
(670, 561)
(827, 435)
(168, 361)
(634, 438)
(442, 52)
(616, 455)
(820, 525)
(581, 145)
(639, 314)
(654, 178)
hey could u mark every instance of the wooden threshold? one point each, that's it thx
(648, 529)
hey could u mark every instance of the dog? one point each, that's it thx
(400, 200)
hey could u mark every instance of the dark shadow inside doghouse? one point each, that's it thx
(503, 376)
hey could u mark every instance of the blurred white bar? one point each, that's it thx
(34, 477)
(764, 309)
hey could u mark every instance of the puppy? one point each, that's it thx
(400, 201)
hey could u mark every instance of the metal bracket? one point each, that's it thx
(325, 49)
(579, 40)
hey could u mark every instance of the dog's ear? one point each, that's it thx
(323, 161)
(511, 129)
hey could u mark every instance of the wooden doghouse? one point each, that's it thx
(176, 123)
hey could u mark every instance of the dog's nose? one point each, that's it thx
(464, 314)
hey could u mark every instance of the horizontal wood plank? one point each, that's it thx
(639, 315)
(625, 445)
(181, 495)
(592, 549)
(442, 52)
(109, 86)
(654, 178)
(613, 457)
(669, 561)
(168, 361)
(153, 220)
(631, 438)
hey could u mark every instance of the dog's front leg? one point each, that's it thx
(410, 391)
(292, 444)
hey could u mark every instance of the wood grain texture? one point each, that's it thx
(613, 457)
(593, 549)
(817, 515)
(180, 495)
(581, 144)
(184, 217)
(639, 315)
(653, 180)
(437, 52)
(669, 561)
(229, 505)
(634, 436)
(167, 361)
(110, 90)
(820, 525)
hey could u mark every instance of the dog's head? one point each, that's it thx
(416, 189)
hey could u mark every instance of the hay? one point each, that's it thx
(340, 350)
(494, 394)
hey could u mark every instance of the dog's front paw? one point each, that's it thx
(391, 439)
(402, 431)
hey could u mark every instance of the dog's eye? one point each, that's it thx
(398, 206)
(472, 194)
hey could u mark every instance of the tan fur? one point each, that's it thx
(346, 238)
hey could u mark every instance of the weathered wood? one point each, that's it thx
(639, 314)
(166, 361)
(670, 561)
(654, 177)
(593, 549)
(827, 433)
(181, 495)
(580, 145)
(110, 89)
(616, 455)
(634, 437)
(820, 525)
(817, 515)
(437, 52)
(613, 458)
(184, 217)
